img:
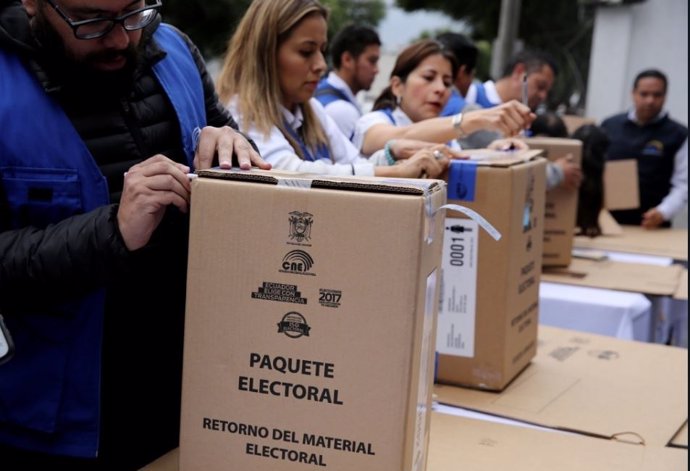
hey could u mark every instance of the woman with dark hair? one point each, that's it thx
(420, 85)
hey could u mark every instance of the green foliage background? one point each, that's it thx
(561, 27)
(210, 23)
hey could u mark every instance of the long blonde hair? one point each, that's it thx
(250, 68)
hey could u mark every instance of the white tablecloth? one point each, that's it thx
(599, 311)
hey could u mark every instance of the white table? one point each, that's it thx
(599, 311)
(669, 317)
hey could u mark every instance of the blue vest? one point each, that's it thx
(49, 391)
(482, 99)
(654, 147)
(326, 93)
(455, 104)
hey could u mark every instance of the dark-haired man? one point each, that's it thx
(659, 144)
(355, 53)
(93, 263)
(466, 54)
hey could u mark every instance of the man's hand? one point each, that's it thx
(226, 142)
(572, 175)
(149, 188)
(508, 118)
(652, 219)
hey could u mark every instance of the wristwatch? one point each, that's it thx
(457, 124)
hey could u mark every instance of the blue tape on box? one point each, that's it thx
(462, 180)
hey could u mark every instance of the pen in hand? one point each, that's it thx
(525, 97)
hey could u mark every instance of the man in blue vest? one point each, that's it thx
(466, 54)
(528, 77)
(93, 261)
(355, 53)
(659, 144)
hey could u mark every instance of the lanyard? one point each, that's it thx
(321, 150)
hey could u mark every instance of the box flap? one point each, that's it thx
(621, 189)
(623, 276)
(557, 147)
(460, 443)
(501, 158)
(411, 186)
(592, 384)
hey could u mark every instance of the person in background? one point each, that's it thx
(590, 200)
(93, 264)
(538, 68)
(269, 82)
(355, 52)
(659, 144)
(528, 77)
(548, 124)
(409, 107)
(562, 172)
(466, 54)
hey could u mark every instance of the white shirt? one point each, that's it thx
(379, 117)
(677, 198)
(276, 149)
(344, 113)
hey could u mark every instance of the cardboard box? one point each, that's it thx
(621, 187)
(487, 325)
(574, 122)
(310, 325)
(594, 385)
(459, 443)
(560, 213)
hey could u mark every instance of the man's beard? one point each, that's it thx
(79, 74)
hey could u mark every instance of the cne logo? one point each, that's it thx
(298, 262)
(300, 226)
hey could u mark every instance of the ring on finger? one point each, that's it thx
(437, 154)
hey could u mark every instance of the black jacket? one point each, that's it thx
(145, 290)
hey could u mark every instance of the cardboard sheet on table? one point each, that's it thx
(680, 440)
(682, 291)
(460, 443)
(168, 462)
(622, 276)
(671, 242)
(609, 226)
(592, 384)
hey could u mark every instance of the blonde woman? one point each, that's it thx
(273, 64)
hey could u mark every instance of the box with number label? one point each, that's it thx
(310, 325)
(492, 252)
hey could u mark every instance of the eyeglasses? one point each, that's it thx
(95, 28)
